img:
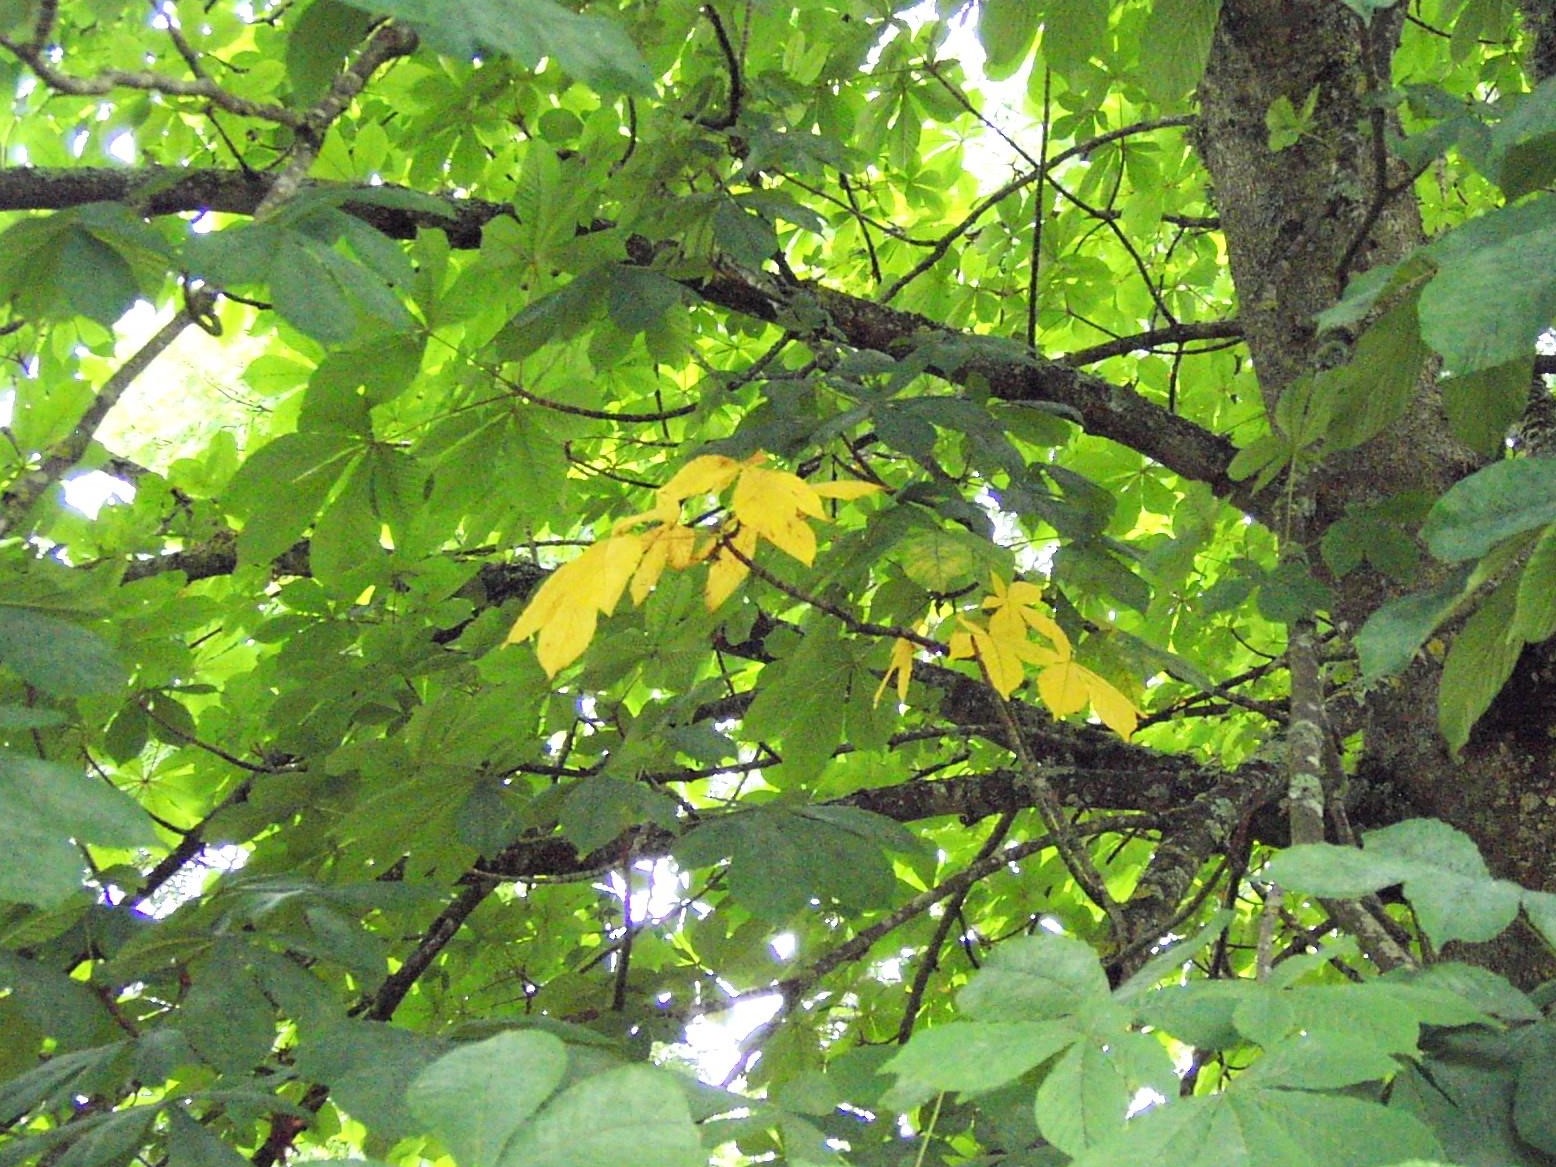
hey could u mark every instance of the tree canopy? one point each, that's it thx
(825, 582)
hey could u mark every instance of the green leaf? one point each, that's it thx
(1332, 871)
(1074, 31)
(1483, 405)
(368, 1065)
(1534, 613)
(478, 1096)
(1006, 29)
(226, 1016)
(1176, 46)
(317, 48)
(48, 805)
(1042, 976)
(1380, 380)
(1323, 1060)
(113, 1141)
(972, 1057)
(1453, 893)
(1290, 593)
(1395, 632)
(1495, 503)
(279, 489)
(632, 1115)
(1272, 1128)
(1480, 660)
(1534, 1099)
(1083, 1099)
(782, 859)
(59, 1006)
(1523, 143)
(189, 1144)
(590, 47)
(56, 656)
(50, 1082)
(1495, 288)
(600, 807)
(801, 708)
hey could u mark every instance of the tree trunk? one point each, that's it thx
(1299, 223)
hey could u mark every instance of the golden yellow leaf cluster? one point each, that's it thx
(1003, 646)
(765, 504)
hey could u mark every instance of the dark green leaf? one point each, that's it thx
(1495, 288)
(478, 1096)
(49, 807)
(1480, 660)
(1502, 500)
(57, 656)
(1396, 631)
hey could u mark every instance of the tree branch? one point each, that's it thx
(1005, 369)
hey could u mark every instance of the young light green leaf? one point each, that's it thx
(591, 47)
(1176, 46)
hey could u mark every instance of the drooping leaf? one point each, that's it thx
(1479, 662)
(1494, 289)
(1176, 46)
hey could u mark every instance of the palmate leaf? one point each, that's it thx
(765, 504)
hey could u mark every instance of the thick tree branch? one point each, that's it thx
(1005, 369)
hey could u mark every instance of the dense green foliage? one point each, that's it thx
(335, 327)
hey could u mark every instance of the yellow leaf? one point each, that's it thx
(610, 564)
(1114, 709)
(1068, 687)
(1063, 688)
(565, 637)
(845, 490)
(665, 546)
(1001, 664)
(565, 609)
(725, 572)
(1015, 605)
(707, 474)
(773, 503)
(961, 646)
(665, 512)
(901, 666)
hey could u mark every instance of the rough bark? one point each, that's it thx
(1298, 223)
